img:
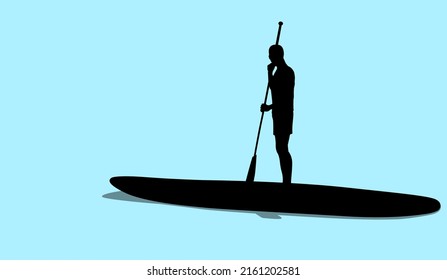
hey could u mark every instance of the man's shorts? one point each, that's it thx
(282, 123)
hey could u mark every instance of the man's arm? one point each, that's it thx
(270, 69)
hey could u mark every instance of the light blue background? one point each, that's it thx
(95, 89)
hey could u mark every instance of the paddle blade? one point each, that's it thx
(251, 170)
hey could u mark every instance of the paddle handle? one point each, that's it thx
(279, 32)
(267, 92)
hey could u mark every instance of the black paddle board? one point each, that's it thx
(276, 197)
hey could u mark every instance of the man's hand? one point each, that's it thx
(265, 107)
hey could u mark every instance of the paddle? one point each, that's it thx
(252, 168)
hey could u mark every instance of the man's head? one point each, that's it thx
(276, 54)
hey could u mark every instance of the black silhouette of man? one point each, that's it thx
(282, 85)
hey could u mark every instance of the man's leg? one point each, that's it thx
(285, 159)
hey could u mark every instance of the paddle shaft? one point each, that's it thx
(267, 92)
